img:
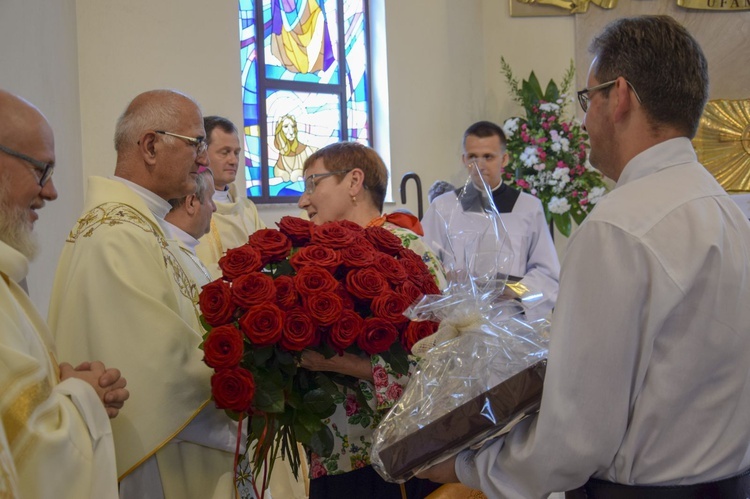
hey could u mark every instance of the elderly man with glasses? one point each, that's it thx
(122, 294)
(55, 437)
(647, 392)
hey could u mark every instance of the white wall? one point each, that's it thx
(39, 62)
(443, 73)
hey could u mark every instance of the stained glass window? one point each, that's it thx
(304, 85)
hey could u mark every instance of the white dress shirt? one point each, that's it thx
(648, 380)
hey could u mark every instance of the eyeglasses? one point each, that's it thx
(583, 95)
(310, 182)
(198, 142)
(42, 170)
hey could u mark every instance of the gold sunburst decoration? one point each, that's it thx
(723, 143)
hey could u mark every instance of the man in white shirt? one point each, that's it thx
(236, 216)
(647, 392)
(534, 264)
(55, 437)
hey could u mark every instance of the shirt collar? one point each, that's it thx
(174, 232)
(663, 155)
(158, 206)
(223, 196)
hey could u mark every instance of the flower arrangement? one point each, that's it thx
(332, 288)
(549, 153)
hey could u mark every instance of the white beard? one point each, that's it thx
(15, 229)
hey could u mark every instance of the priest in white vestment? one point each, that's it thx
(236, 216)
(122, 294)
(532, 258)
(55, 437)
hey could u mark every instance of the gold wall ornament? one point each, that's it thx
(536, 8)
(715, 4)
(723, 143)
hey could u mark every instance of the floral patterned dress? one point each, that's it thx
(353, 425)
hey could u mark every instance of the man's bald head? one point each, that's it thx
(21, 119)
(152, 110)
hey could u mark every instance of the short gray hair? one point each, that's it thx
(203, 181)
(153, 110)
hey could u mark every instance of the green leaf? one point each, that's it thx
(322, 442)
(534, 86)
(397, 358)
(552, 93)
(261, 355)
(325, 383)
(578, 217)
(206, 326)
(269, 396)
(317, 401)
(562, 222)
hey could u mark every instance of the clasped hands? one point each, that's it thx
(108, 383)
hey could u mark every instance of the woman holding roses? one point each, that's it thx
(348, 181)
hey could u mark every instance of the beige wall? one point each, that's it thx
(85, 59)
(39, 62)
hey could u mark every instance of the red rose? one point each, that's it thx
(390, 306)
(333, 235)
(215, 302)
(345, 331)
(366, 283)
(272, 245)
(296, 229)
(299, 331)
(377, 336)
(238, 261)
(415, 331)
(384, 240)
(359, 255)
(415, 270)
(286, 294)
(233, 389)
(325, 307)
(429, 286)
(253, 289)
(346, 298)
(410, 291)
(317, 255)
(379, 376)
(223, 347)
(262, 324)
(311, 280)
(352, 226)
(390, 268)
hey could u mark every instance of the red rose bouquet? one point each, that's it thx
(332, 288)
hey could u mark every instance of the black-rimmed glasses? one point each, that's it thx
(42, 170)
(198, 142)
(310, 182)
(584, 98)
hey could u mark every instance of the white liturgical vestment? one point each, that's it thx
(58, 433)
(121, 295)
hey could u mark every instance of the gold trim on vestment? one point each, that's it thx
(165, 442)
(111, 214)
(19, 410)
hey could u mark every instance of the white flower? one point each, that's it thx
(565, 143)
(558, 205)
(510, 126)
(539, 167)
(529, 157)
(533, 191)
(596, 193)
(562, 174)
(549, 107)
(556, 146)
(554, 136)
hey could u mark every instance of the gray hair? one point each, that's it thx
(153, 110)
(203, 181)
